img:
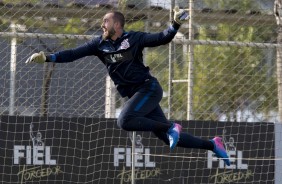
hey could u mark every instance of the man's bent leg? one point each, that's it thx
(134, 114)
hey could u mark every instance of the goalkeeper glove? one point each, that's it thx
(180, 16)
(37, 58)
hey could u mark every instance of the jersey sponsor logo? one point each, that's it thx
(115, 57)
(118, 57)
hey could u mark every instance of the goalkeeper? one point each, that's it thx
(121, 52)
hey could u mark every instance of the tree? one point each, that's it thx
(232, 79)
(227, 80)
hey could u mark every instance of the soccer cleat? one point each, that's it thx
(173, 135)
(219, 150)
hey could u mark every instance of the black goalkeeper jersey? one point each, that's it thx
(122, 57)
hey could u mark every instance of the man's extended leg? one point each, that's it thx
(143, 113)
(189, 141)
(186, 140)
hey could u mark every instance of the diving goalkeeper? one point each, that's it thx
(121, 52)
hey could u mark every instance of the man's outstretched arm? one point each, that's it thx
(164, 37)
(87, 49)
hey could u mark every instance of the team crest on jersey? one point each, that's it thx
(124, 44)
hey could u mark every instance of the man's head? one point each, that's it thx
(113, 23)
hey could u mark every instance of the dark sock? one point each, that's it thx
(163, 127)
(189, 141)
(208, 145)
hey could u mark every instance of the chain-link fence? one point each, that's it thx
(220, 66)
(223, 65)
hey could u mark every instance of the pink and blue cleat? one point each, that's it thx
(219, 150)
(173, 135)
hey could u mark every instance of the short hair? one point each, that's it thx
(118, 17)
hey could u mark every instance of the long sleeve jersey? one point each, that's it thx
(122, 57)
